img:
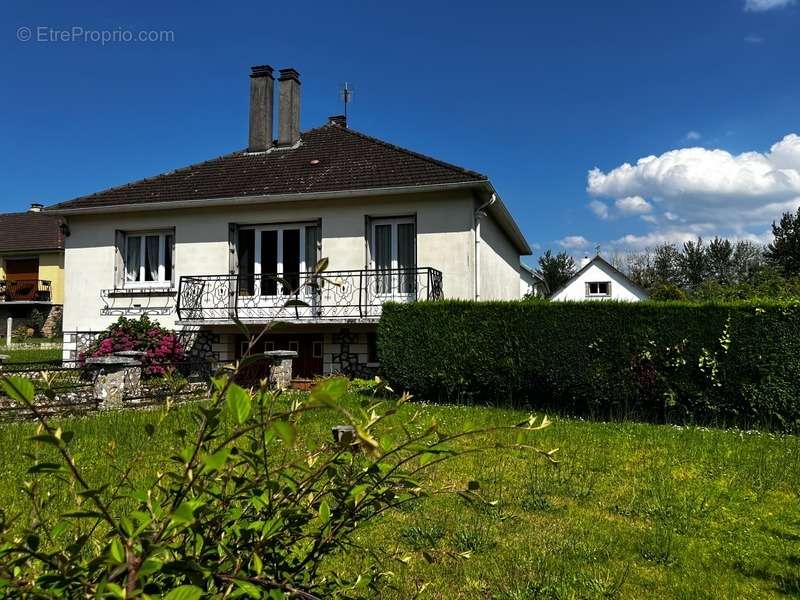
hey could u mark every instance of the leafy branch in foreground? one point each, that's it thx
(252, 506)
(248, 508)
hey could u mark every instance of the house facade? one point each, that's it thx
(237, 238)
(597, 279)
(31, 268)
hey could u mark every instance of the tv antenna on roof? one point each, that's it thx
(597, 249)
(346, 94)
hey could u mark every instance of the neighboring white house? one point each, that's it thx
(231, 239)
(597, 279)
(530, 282)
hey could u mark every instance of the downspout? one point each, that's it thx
(479, 213)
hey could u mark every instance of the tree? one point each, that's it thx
(784, 251)
(720, 260)
(667, 265)
(556, 270)
(748, 259)
(694, 263)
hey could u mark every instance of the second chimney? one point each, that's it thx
(261, 86)
(289, 114)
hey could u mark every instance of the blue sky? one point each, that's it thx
(534, 94)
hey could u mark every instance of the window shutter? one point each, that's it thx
(609, 289)
(119, 259)
(171, 275)
(313, 248)
(587, 289)
(233, 261)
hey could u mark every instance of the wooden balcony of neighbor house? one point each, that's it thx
(25, 290)
(332, 296)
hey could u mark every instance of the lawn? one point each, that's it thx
(631, 511)
(31, 354)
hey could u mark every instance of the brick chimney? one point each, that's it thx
(36, 207)
(289, 114)
(261, 92)
(339, 120)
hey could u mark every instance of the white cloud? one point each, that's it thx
(752, 38)
(693, 135)
(649, 218)
(632, 205)
(705, 190)
(573, 241)
(599, 208)
(763, 5)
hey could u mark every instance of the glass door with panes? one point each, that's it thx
(274, 259)
(394, 258)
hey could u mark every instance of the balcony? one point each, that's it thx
(25, 290)
(333, 296)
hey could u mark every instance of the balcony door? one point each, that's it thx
(394, 257)
(274, 258)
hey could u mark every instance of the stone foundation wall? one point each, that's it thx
(347, 352)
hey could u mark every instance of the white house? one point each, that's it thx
(597, 279)
(236, 237)
(531, 283)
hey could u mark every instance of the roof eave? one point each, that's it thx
(259, 199)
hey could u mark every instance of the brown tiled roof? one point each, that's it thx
(331, 158)
(28, 231)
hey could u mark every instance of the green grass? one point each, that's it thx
(35, 340)
(632, 510)
(31, 354)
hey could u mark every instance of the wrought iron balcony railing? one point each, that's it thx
(25, 290)
(332, 295)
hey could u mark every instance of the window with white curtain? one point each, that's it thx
(148, 258)
(394, 254)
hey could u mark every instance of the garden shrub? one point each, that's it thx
(161, 346)
(676, 362)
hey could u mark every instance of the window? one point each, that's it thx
(268, 253)
(294, 346)
(148, 258)
(316, 349)
(598, 288)
(372, 347)
(394, 251)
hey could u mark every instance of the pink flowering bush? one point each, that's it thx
(161, 347)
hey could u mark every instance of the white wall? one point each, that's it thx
(621, 288)
(499, 268)
(445, 241)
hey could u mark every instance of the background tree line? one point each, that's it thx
(719, 269)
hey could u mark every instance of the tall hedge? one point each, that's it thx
(728, 364)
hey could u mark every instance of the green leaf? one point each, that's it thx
(238, 403)
(329, 391)
(248, 588)
(18, 388)
(214, 461)
(295, 302)
(185, 592)
(324, 512)
(322, 265)
(46, 468)
(285, 431)
(185, 512)
(116, 551)
(46, 438)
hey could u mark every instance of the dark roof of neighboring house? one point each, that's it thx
(331, 158)
(604, 262)
(29, 231)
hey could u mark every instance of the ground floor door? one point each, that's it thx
(308, 346)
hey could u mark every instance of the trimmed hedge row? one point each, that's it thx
(677, 362)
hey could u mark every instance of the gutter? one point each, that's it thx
(477, 229)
